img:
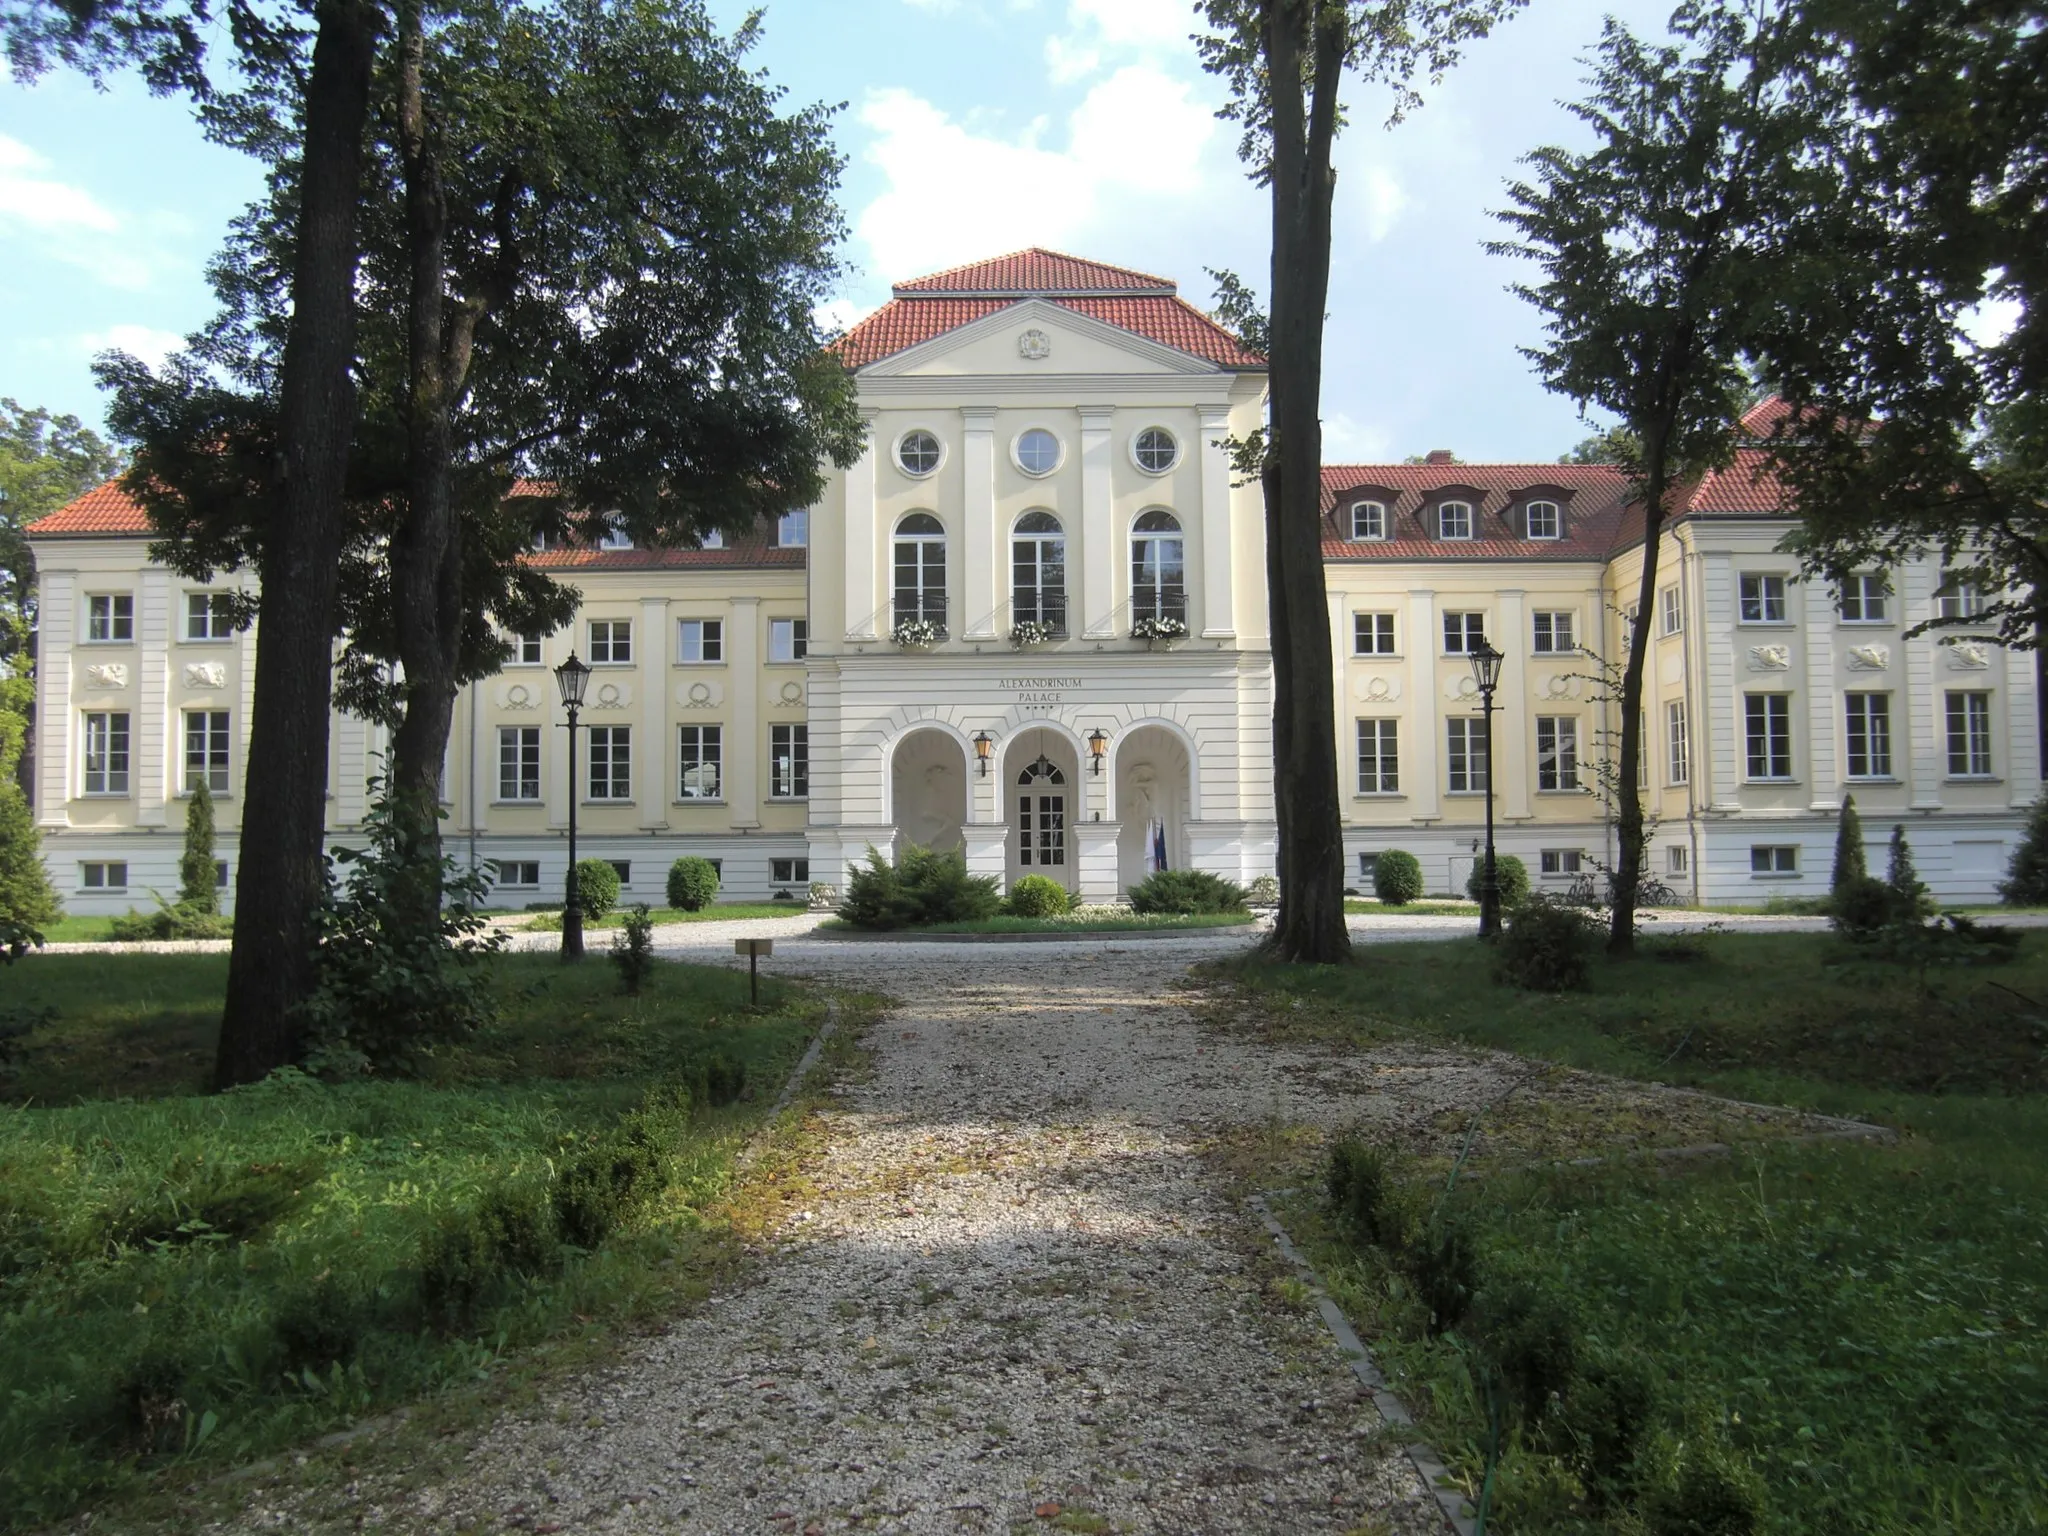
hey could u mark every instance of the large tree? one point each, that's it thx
(1286, 61)
(304, 77)
(45, 460)
(1658, 247)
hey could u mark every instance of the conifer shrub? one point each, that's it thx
(1264, 891)
(1546, 947)
(1038, 896)
(1851, 864)
(692, 884)
(169, 923)
(633, 950)
(198, 891)
(597, 887)
(1397, 877)
(2026, 877)
(470, 1257)
(1184, 892)
(1861, 908)
(1509, 872)
(1910, 901)
(920, 888)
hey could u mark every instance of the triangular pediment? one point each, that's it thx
(1035, 336)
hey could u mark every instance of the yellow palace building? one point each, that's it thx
(1030, 621)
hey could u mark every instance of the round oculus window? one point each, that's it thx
(918, 453)
(1038, 452)
(1155, 450)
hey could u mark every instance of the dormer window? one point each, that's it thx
(1543, 520)
(1454, 520)
(714, 539)
(1368, 520)
(614, 536)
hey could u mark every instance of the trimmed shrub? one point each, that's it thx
(1366, 1197)
(633, 950)
(1511, 874)
(197, 873)
(2026, 878)
(1264, 891)
(168, 923)
(606, 1187)
(1861, 908)
(692, 884)
(1186, 891)
(468, 1257)
(1546, 947)
(1850, 863)
(597, 887)
(1038, 896)
(921, 887)
(1397, 877)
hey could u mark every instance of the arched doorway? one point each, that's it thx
(928, 791)
(1043, 784)
(1153, 802)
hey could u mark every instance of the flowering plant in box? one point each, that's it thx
(1158, 627)
(1029, 632)
(918, 634)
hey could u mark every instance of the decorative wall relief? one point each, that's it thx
(520, 696)
(790, 695)
(704, 693)
(109, 674)
(610, 696)
(1462, 687)
(1770, 658)
(1968, 655)
(1377, 690)
(1869, 658)
(1034, 345)
(1561, 685)
(205, 674)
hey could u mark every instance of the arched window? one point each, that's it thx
(1038, 572)
(1543, 520)
(921, 569)
(1158, 568)
(1368, 520)
(1042, 815)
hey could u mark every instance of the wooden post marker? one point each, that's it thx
(753, 949)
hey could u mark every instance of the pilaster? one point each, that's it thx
(1419, 773)
(1922, 715)
(1219, 619)
(57, 725)
(980, 572)
(1514, 778)
(1098, 546)
(1717, 732)
(742, 786)
(657, 746)
(1823, 697)
(1096, 842)
(860, 537)
(156, 748)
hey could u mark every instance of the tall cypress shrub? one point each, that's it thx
(1910, 901)
(1850, 863)
(197, 891)
(26, 895)
(2026, 878)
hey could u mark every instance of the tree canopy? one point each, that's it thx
(45, 461)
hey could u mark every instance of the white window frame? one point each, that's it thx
(1379, 756)
(612, 756)
(1546, 627)
(1670, 611)
(1467, 631)
(917, 572)
(789, 640)
(1775, 718)
(113, 613)
(1368, 522)
(1466, 522)
(216, 740)
(215, 616)
(1677, 744)
(1678, 860)
(710, 645)
(1764, 593)
(900, 456)
(1557, 753)
(1139, 450)
(114, 730)
(614, 536)
(1465, 765)
(793, 529)
(789, 762)
(1864, 600)
(1774, 861)
(109, 870)
(511, 881)
(1159, 567)
(1555, 520)
(522, 768)
(1038, 570)
(1560, 863)
(529, 650)
(618, 642)
(699, 747)
(1867, 733)
(1372, 634)
(1037, 471)
(1969, 737)
(789, 871)
(1959, 597)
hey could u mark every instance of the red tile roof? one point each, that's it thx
(105, 509)
(1593, 496)
(1137, 302)
(1039, 272)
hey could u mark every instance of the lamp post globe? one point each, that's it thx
(572, 677)
(1486, 674)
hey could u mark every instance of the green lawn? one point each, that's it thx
(1118, 922)
(1431, 907)
(189, 1279)
(78, 930)
(551, 922)
(1859, 1329)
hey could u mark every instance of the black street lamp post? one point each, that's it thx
(572, 677)
(1486, 673)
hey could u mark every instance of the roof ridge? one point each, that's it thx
(934, 284)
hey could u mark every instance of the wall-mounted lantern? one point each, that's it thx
(1098, 747)
(983, 745)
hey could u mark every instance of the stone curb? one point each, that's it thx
(1075, 936)
(1428, 1465)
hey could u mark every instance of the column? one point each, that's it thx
(1716, 726)
(743, 716)
(1515, 777)
(1098, 547)
(1425, 714)
(1817, 629)
(156, 746)
(978, 529)
(657, 747)
(1343, 712)
(859, 533)
(1920, 719)
(2022, 744)
(1219, 617)
(57, 726)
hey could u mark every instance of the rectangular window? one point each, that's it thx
(793, 530)
(1554, 633)
(1677, 747)
(526, 649)
(788, 639)
(1454, 520)
(611, 641)
(1463, 632)
(1466, 758)
(615, 536)
(1767, 721)
(1763, 599)
(1379, 757)
(1864, 600)
(110, 616)
(1870, 735)
(1368, 520)
(1368, 863)
(624, 868)
(209, 616)
(789, 761)
(1557, 752)
(518, 762)
(106, 753)
(611, 762)
(713, 539)
(1372, 634)
(1670, 617)
(700, 640)
(1774, 859)
(1969, 735)
(519, 871)
(1561, 861)
(206, 750)
(103, 875)
(1677, 860)
(789, 871)
(220, 874)
(1543, 520)
(1959, 598)
(699, 750)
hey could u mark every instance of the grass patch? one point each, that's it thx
(79, 930)
(1354, 907)
(551, 922)
(1852, 1333)
(1117, 922)
(191, 1280)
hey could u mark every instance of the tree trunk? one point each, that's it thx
(1628, 872)
(426, 553)
(282, 874)
(1311, 841)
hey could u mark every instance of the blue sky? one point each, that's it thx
(970, 127)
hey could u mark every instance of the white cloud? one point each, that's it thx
(1135, 23)
(65, 222)
(1136, 141)
(1067, 60)
(1989, 323)
(1346, 441)
(146, 342)
(836, 315)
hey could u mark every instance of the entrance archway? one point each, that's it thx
(928, 791)
(1043, 795)
(1152, 803)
